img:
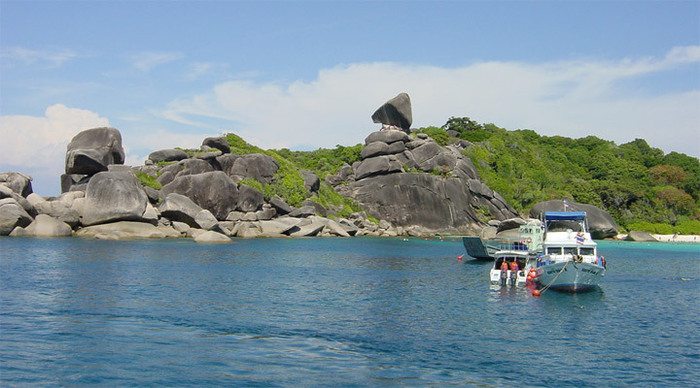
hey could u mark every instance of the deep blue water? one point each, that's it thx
(333, 311)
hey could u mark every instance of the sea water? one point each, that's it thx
(333, 311)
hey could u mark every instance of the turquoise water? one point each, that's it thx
(333, 311)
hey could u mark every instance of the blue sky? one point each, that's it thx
(309, 74)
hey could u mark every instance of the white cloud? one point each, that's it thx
(145, 61)
(26, 56)
(573, 98)
(42, 141)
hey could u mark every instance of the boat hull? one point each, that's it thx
(570, 276)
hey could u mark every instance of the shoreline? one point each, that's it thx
(668, 238)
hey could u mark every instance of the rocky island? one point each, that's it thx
(399, 182)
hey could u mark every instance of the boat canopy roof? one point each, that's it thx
(564, 216)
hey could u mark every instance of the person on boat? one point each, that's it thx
(514, 268)
(504, 272)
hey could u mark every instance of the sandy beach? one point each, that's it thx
(688, 238)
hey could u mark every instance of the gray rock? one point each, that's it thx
(208, 153)
(177, 207)
(17, 182)
(511, 223)
(634, 235)
(167, 155)
(266, 213)
(303, 212)
(92, 150)
(46, 226)
(249, 199)
(183, 168)
(278, 227)
(318, 208)
(113, 196)
(376, 166)
(213, 191)
(345, 174)
(396, 111)
(211, 237)
(416, 143)
(124, 230)
(310, 229)
(406, 159)
(226, 161)
(407, 199)
(153, 195)
(311, 181)
(74, 182)
(235, 216)
(12, 215)
(336, 229)
(151, 214)
(60, 210)
(280, 205)
(386, 136)
(600, 223)
(256, 166)
(220, 143)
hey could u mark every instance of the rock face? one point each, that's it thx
(167, 155)
(211, 237)
(92, 150)
(395, 112)
(17, 182)
(112, 196)
(12, 215)
(125, 230)
(213, 191)
(640, 237)
(219, 143)
(182, 168)
(256, 166)
(407, 199)
(600, 223)
(46, 226)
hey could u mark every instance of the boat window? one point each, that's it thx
(554, 251)
(586, 251)
(569, 250)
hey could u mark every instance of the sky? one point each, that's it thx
(304, 75)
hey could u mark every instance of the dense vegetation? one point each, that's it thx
(288, 182)
(641, 187)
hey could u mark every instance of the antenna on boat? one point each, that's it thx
(566, 205)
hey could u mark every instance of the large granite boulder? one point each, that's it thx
(249, 199)
(407, 199)
(311, 181)
(167, 155)
(220, 143)
(213, 191)
(127, 230)
(396, 112)
(182, 168)
(46, 226)
(177, 207)
(638, 236)
(600, 223)
(211, 237)
(12, 215)
(113, 196)
(257, 166)
(60, 210)
(376, 166)
(92, 150)
(17, 182)
(387, 136)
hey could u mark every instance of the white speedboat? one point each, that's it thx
(570, 261)
(510, 277)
